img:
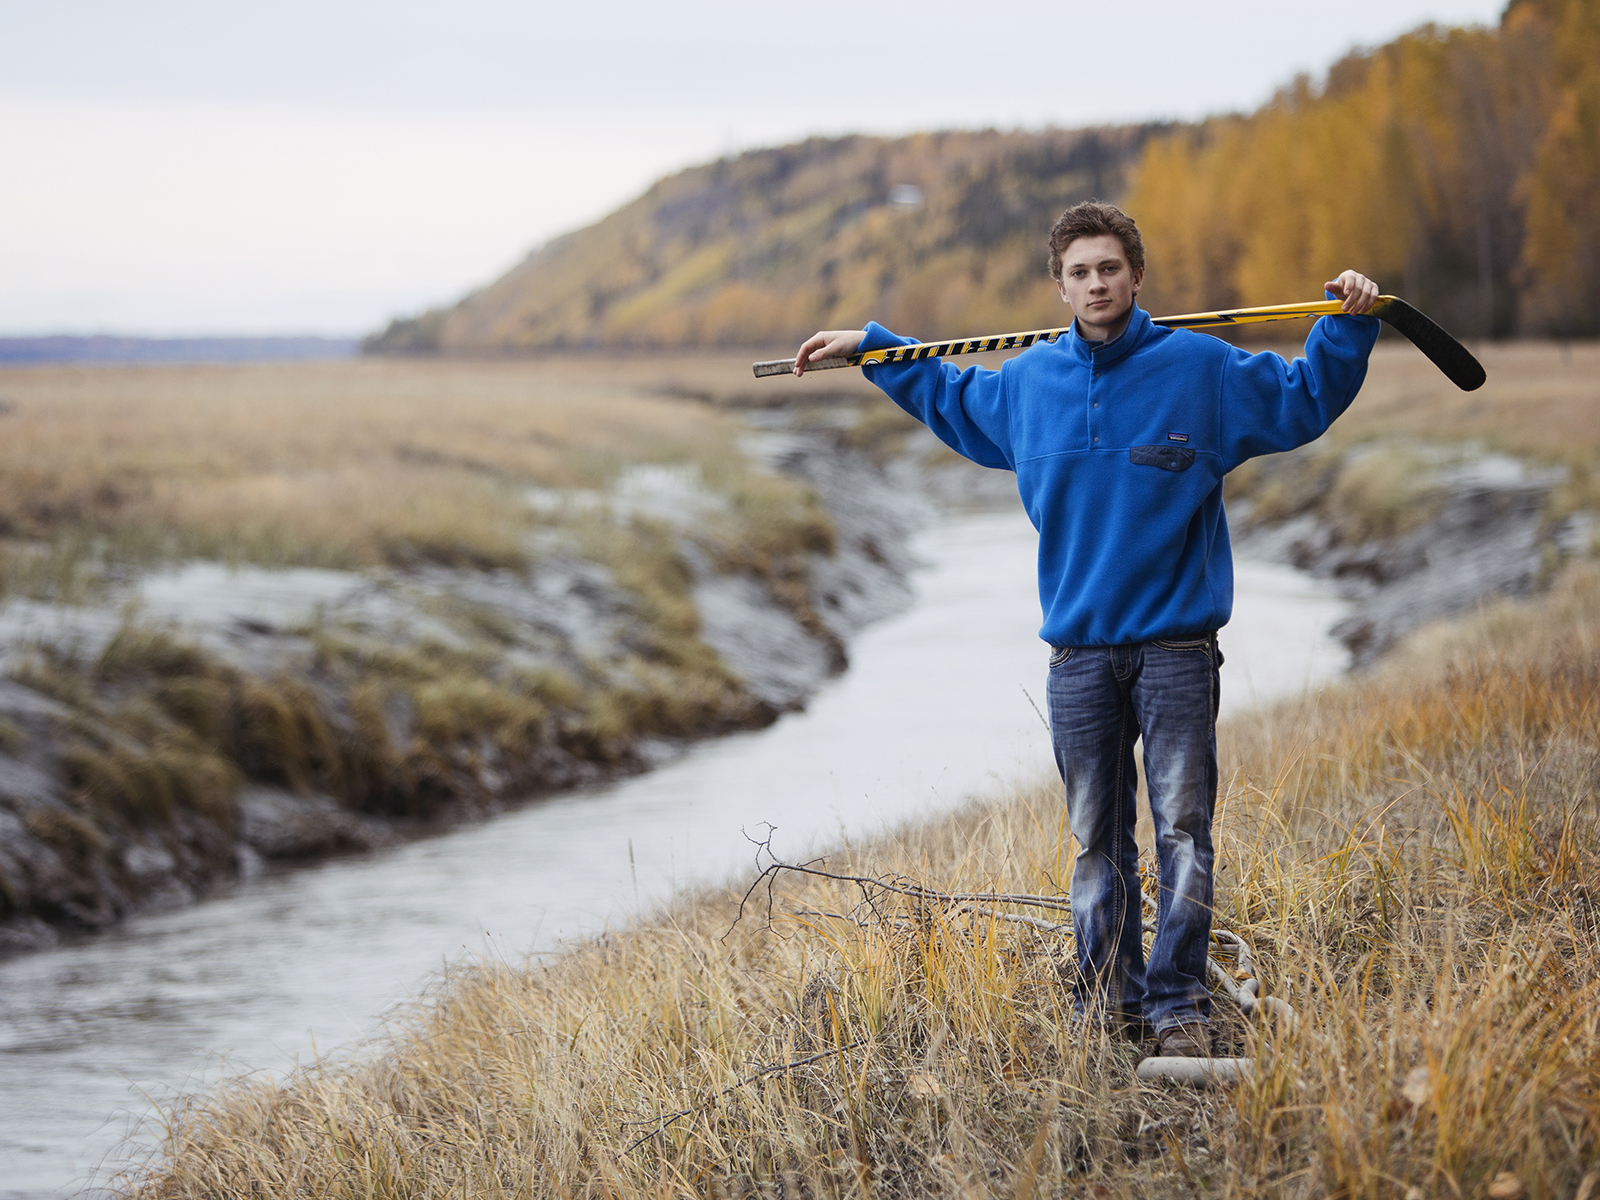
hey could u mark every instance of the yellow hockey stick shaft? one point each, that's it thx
(1021, 341)
(1448, 354)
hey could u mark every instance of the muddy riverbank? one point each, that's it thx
(201, 721)
(1410, 532)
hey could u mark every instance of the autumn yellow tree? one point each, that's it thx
(1561, 257)
(1460, 167)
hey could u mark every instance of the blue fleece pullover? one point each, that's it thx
(1120, 449)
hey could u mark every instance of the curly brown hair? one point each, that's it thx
(1093, 218)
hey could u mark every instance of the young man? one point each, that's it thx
(1120, 434)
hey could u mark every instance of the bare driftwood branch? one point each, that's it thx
(874, 887)
(1240, 984)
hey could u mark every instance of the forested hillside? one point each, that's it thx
(933, 231)
(1459, 167)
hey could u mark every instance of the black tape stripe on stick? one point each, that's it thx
(1449, 355)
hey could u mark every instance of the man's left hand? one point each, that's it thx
(1357, 291)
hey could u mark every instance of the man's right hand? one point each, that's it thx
(830, 343)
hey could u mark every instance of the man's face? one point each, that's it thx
(1097, 281)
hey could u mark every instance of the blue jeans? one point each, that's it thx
(1101, 699)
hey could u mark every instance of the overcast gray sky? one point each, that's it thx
(235, 166)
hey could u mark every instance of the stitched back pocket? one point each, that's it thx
(1168, 458)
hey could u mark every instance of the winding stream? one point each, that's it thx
(932, 710)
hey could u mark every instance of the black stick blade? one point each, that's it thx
(1449, 355)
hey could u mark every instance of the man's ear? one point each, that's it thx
(1138, 279)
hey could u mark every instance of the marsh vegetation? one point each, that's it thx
(1413, 857)
(528, 539)
(453, 489)
(359, 464)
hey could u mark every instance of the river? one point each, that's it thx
(937, 705)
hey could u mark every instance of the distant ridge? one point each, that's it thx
(929, 232)
(1460, 167)
(105, 350)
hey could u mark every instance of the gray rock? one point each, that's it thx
(866, 578)
(24, 704)
(83, 630)
(1578, 535)
(254, 598)
(22, 934)
(26, 782)
(279, 824)
(41, 880)
(148, 860)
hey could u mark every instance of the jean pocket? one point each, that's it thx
(1059, 655)
(1203, 643)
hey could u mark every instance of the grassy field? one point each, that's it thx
(390, 464)
(1414, 856)
(367, 463)
(398, 462)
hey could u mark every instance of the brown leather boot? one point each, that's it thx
(1186, 1041)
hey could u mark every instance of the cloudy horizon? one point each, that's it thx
(179, 168)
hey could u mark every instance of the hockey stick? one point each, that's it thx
(1449, 355)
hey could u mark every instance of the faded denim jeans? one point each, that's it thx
(1101, 699)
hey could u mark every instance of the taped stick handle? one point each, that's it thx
(900, 354)
(785, 366)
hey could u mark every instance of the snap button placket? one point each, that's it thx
(1094, 409)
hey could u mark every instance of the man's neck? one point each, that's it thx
(1104, 335)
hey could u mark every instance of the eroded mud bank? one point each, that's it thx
(1411, 533)
(202, 720)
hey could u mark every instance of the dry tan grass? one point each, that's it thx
(345, 464)
(1541, 400)
(396, 461)
(1413, 855)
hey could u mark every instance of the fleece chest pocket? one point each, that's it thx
(1168, 458)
